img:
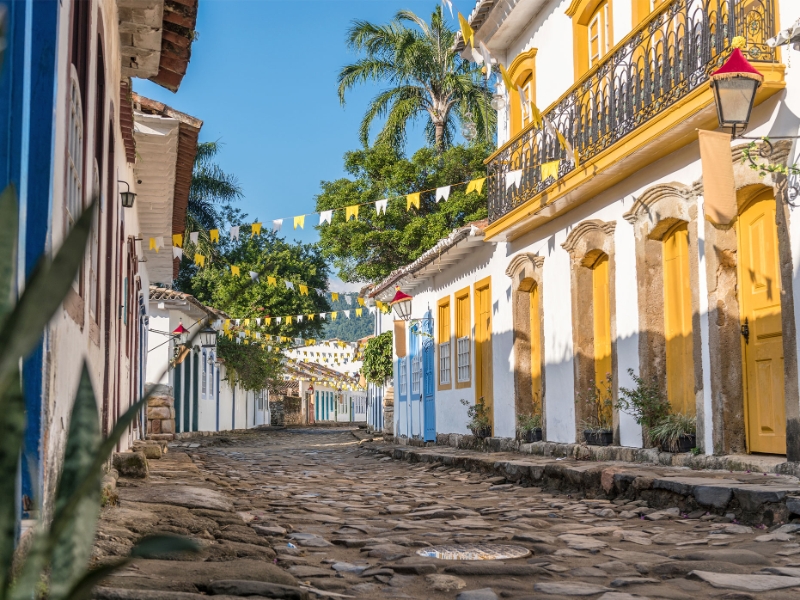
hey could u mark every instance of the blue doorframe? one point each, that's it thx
(428, 380)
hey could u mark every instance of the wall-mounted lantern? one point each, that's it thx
(735, 84)
(127, 197)
(401, 303)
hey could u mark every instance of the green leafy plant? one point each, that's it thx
(671, 429)
(59, 551)
(249, 365)
(597, 403)
(478, 416)
(646, 402)
(766, 167)
(526, 423)
(378, 359)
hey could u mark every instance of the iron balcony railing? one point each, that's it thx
(664, 60)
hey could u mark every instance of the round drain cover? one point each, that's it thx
(475, 552)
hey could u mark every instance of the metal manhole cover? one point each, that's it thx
(475, 552)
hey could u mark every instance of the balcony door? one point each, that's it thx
(483, 346)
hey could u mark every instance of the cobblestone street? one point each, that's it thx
(311, 513)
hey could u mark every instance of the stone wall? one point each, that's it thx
(161, 414)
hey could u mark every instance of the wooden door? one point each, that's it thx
(602, 320)
(678, 320)
(536, 350)
(760, 285)
(483, 346)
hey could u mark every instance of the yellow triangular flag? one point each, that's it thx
(509, 83)
(247, 322)
(351, 211)
(153, 244)
(247, 333)
(466, 31)
(412, 200)
(177, 240)
(334, 296)
(271, 280)
(303, 289)
(299, 221)
(360, 301)
(234, 270)
(476, 185)
(256, 228)
(550, 169)
(359, 311)
(311, 317)
(268, 320)
(200, 260)
(214, 234)
(226, 325)
(288, 320)
(333, 316)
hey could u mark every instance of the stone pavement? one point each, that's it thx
(316, 513)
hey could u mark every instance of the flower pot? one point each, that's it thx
(532, 435)
(482, 432)
(598, 438)
(684, 444)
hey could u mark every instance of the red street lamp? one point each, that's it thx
(181, 333)
(735, 84)
(401, 303)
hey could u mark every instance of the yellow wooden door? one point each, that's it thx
(601, 312)
(536, 350)
(760, 285)
(678, 320)
(483, 346)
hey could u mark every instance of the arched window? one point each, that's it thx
(592, 32)
(74, 157)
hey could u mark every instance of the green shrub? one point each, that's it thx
(378, 363)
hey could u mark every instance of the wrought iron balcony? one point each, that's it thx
(668, 57)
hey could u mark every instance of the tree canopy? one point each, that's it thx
(427, 79)
(371, 247)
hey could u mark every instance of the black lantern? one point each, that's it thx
(735, 84)
(208, 337)
(127, 197)
(401, 303)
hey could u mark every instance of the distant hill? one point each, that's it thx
(352, 329)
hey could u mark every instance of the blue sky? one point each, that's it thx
(263, 80)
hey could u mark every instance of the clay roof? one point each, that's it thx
(178, 33)
(476, 19)
(161, 294)
(126, 119)
(442, 246)
(188, 132)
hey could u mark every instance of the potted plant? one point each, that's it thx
(646, 403)
(479, 423)
(597, 406)
(529, 428)
(675, 433)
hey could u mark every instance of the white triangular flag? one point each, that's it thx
(194, 236)
(346, 313)
(321, 292)
(160, 242)
(238, 321)
(348, 299)
(235, 233)
(289, 285)
(258, 322)
(477, 57)
(448, 4)
(325, 217)
(276, 225)
(322, 315)
(278, 320)
(238, 340)
(258, 335)
(299, 318)
(241, 334)
(513, 178)
(487, 58)
(253, 275)
(380, 206)
(177, 252)
(443, 193)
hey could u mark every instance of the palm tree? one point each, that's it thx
(210, 185)
(428, 78)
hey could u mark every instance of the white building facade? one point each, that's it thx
(607, 265)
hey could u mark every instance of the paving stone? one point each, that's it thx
(582, 542)
(680, 568)
(737, 556)
(483, 594)
(564, 588)
(445, 583)
(748, 583)
(626, 581)
(256, 588)
(179, 495)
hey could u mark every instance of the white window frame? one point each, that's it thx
(445, 363)
(416, 374)
(601, 18)
(75, 150)
(94, 250)
(403, 377)
(464, 351)
(204, 376)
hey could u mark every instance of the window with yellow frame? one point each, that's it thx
(522, 72)
(592, 32)
(443, 334)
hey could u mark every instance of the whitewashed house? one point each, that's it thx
(609, 263)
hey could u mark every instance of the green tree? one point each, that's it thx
(428, 79)
(352, 329)
(371, 247)
(211, 186)
(378, 359)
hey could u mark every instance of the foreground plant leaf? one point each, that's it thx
(73, 546)
(44, 292)
(12, 426)
(9, 215)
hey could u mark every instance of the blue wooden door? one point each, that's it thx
(428, 380)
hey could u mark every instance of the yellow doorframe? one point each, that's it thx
(483, 335)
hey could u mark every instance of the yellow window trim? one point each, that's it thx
(444, 303)
(521, 67)
(488, 399)
(460, 296)
(581, 12)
